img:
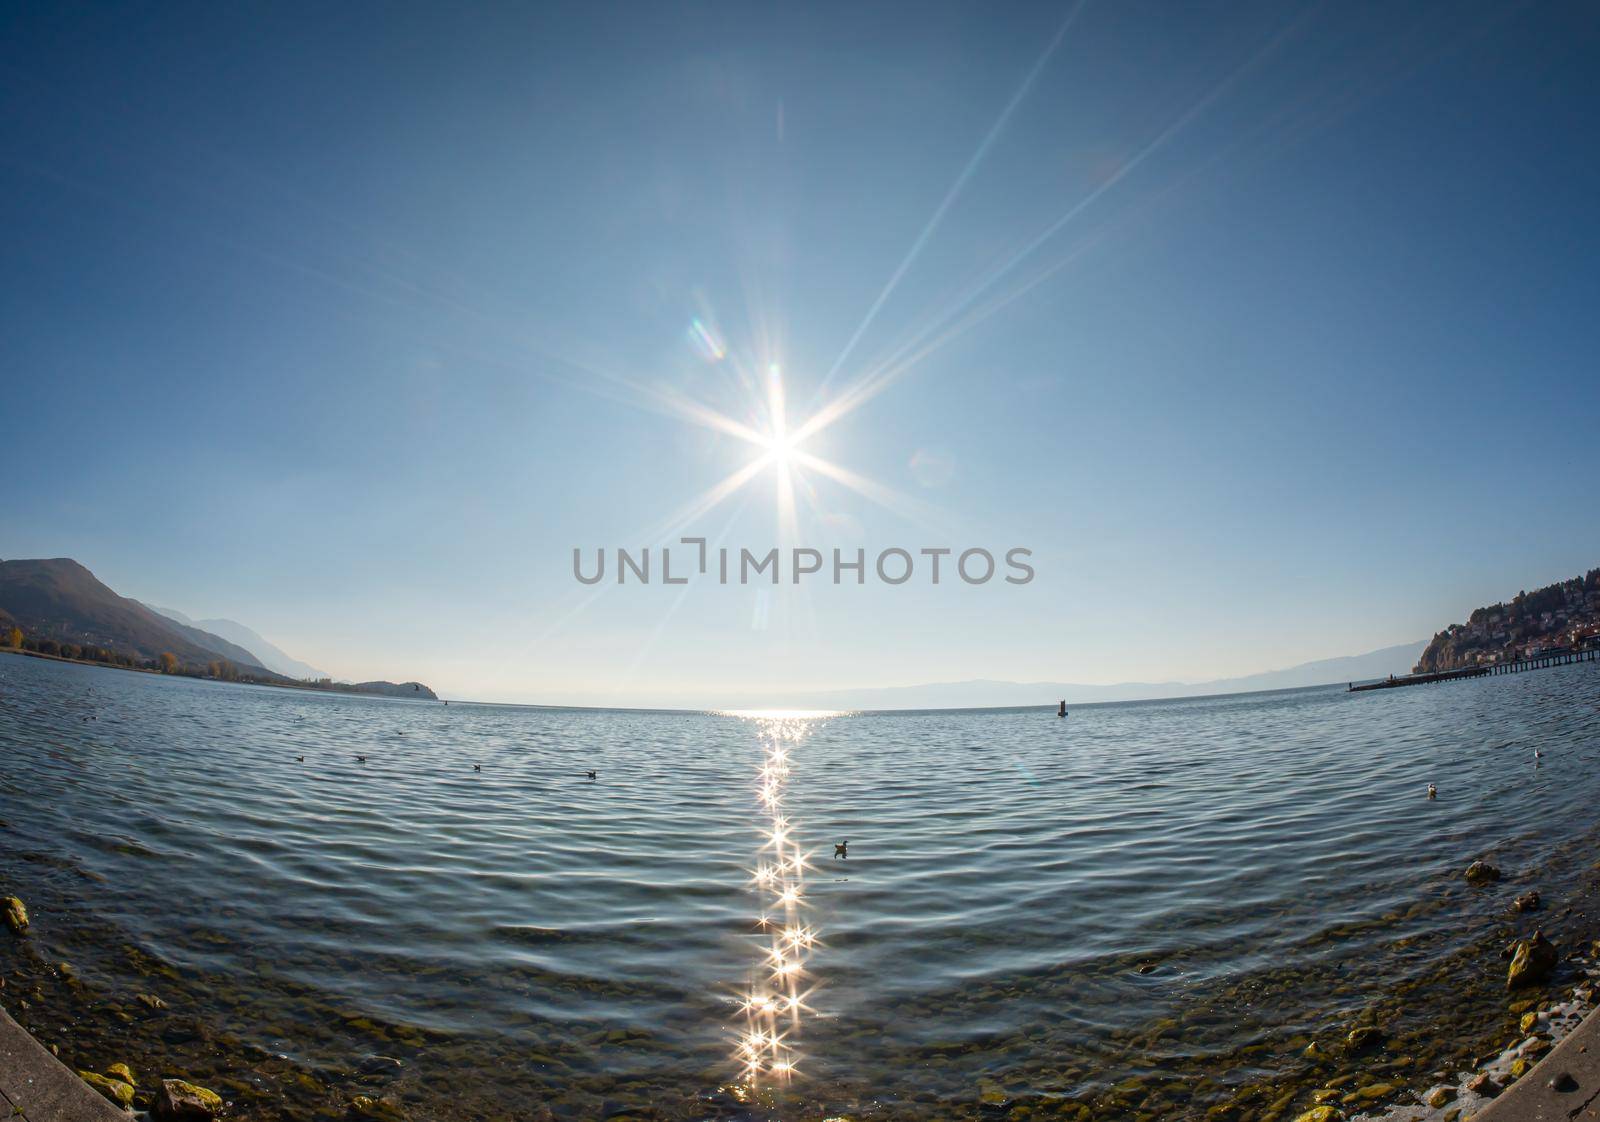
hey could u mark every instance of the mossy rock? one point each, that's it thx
(122, 1072)
(16, 914)
(114, 1089)
(1324, 1113)
(1532, 961)
(1363, 1038)
(182, 1101)
(378, 1110)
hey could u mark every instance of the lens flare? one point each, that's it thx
(706, 342)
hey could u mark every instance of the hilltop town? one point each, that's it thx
(1565, 615)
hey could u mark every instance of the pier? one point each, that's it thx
(1557, 657)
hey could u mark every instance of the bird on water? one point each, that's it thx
(590, 774)
(842, 849)
(1433, 792)
(361, 759)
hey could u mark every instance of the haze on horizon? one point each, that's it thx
(1268, 328)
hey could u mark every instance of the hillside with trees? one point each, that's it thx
(1561, 615)
(57, 608)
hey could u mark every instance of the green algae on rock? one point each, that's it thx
(1532, 961)
(123, 1072)
(16, 914)
(116, 1090)
(182, 1101)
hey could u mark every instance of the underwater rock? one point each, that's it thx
(1483, 1084)
(16, 914)
(1532, 961)
(379, 1110)
(1363, 1037)
(1439, 1096)
(1527, 902)
(182, 1101)
(1322, 1113)
(1481, 872)
(150, 1001)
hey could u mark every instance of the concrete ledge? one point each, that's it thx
(36, 1086)
(1564, 1086)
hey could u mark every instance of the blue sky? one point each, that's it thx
(1269, 329)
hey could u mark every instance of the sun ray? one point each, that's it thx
(887, 497)
(955, 190)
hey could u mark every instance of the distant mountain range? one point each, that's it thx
(62, 609)
(985, 694)
(265, 652)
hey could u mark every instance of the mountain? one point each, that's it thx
(59, 599)
(413, 690)
(264, 652)
(984, 694)
(1563, 614)
(63, 610)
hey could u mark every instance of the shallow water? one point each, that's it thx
(1144, 909)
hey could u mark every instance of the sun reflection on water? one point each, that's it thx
(774, 1000)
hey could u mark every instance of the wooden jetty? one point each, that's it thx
(1560, 656)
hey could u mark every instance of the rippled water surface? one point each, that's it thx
(1143, 908)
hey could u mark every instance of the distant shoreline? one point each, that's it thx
(284, 685)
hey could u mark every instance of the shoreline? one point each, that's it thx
(286, 685)
(37, 1087)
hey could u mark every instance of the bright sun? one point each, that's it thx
(781, 448)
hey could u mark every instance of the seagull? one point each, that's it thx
(591, 775)
(1433, 792)
(841, 849)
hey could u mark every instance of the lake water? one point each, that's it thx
(1143, 910)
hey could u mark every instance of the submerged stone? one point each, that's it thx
(1322, 1113)
(1481, 872)
(1363, 1037)
(1439, 1096)
(182, 1101)
(379, 1110)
